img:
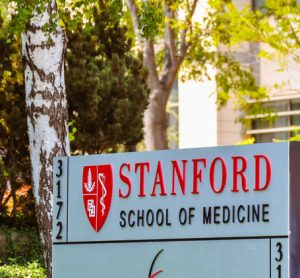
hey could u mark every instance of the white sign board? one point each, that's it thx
(227, 212)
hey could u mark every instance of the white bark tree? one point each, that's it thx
(43, 45)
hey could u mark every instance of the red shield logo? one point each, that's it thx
(97, 187)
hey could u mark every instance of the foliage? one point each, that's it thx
(14, 149)
(24, 206)
(151, 18)
(248, 141)
(16, 14)
(31, 269)
(106, 86)
(295, 136)
(21, 255)
(106, 55)
(113, 114)
(275, 26)
(182, 41)
(21, 245)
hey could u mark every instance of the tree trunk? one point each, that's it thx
(175, 48)
(156, 121)
(46, 107)
(2, 191)
(14, 208)
(5, 201)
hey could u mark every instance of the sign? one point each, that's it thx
(227, 212)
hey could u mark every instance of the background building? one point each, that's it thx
(201, 124)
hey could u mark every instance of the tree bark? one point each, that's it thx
(2, 191)
(156, 116)
(5, 201)
(155, 120)
(46, 107)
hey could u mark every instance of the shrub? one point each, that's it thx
(19, 246)
(20, 254)
(30, 270)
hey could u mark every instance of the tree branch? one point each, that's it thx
(6, 200)
(170, 34)
(171, 69)
(133, 9)
(170, 78)
(146, 46)
(295, 34)
(193, 8)
(150, 62)
(183, 46)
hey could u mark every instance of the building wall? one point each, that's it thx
(200, 124)
(197, 106)
(229, 132)
(197, 114)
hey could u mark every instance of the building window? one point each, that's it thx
(285, 125)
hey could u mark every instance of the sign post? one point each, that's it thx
(227, 212)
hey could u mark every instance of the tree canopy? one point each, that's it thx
(108, 97)
(179, 40)
(107, 91)
(274, 26)
(274, 23)
(14, 155)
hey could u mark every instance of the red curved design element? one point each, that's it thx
(156, 273)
